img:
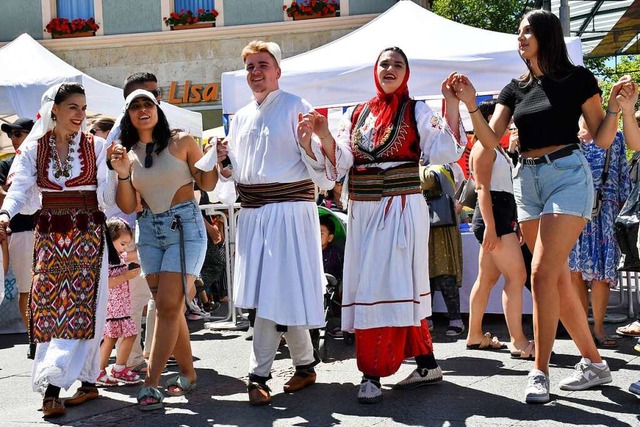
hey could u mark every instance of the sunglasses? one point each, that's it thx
(157, 93)
(148, 160)
(93, 131)
(15, 133)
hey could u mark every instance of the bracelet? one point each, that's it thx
(613, 113)
(5, 212)
(109, 165)
(471, 112)
(128, 177)
(325, 137)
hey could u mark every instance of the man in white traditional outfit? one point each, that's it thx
(278, 268)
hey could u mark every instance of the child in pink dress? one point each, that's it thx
(119, 321)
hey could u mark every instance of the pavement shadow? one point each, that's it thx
(468, 366)
(12, 340)
(334, 403)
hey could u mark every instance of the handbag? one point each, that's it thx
(626, 231)
(442, 208)
(466, 194)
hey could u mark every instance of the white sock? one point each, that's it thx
(118, 367)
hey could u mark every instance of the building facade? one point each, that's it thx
(133, 36)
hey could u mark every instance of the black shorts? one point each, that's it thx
(504, 214)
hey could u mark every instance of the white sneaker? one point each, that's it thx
(586, 375)
(537, 390)
(369, 392)
(420, 377)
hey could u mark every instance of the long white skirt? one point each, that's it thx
(278, 263)
(61, 362)
(386, 271)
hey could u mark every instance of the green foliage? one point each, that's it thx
(609, 74)
(496, 15)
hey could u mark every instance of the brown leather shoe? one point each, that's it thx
(258, 394)
(83, 394)
(52, 407)
(299, 381)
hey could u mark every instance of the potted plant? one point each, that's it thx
(309, 9)
(186, 19)
(61, 28)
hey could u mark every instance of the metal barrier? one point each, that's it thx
(229, 214)
(629, 282)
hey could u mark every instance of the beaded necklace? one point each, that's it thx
(60, 169)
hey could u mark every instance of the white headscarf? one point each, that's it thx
(44, 121)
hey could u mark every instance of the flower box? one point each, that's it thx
(63, 28)
(314, 16)
(73, 35)
(187, 19)
(311, 9)
(192, 26)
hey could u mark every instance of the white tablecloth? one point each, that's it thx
(470, 248)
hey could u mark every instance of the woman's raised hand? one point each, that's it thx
(627, 96)
(464, 90)
(120, 161)
(447, 88)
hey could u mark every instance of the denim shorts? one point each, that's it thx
(504, 215)
(564, 186)
(159, 244)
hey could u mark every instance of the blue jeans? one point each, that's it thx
(159, 242)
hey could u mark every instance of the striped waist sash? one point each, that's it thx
(372, 184)
(68, 210)
(70, 200)
(258, 195)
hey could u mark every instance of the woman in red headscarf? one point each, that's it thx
(379, 146)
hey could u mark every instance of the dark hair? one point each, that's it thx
(66, 90)
(117, 227)
(161, 132)
(398, 51)
(328, 222)
(137, 79)
(105, 124)
(553, 58)
(487, 107)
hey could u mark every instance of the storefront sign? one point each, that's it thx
(193, 93)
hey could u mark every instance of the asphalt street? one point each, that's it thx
(480, 388)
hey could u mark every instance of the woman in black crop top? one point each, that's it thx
(552, 184)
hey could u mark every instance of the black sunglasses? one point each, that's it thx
(148, 160)
(157, 93)
(92, 131)
(15, 133)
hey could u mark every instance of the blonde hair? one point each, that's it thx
(259, 46)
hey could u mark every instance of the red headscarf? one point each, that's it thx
(385, 105)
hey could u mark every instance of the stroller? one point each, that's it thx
(333, 291)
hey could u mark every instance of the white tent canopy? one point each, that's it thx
(341, 73)
(28, 70)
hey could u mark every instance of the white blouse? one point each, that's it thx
(24, 194)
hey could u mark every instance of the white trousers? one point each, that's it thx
(21, 259)
(266, 340)
(150, 326)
